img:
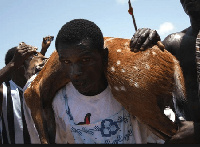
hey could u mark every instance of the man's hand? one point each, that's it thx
(46, 43)
(22, 53)
(143, 39)
(185, 134)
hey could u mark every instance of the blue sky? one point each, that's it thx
(31, 20)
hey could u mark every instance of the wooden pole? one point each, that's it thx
(131, 13)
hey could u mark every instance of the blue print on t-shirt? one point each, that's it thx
(108, 128)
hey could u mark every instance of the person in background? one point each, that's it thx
(183, 46)
(13, 77)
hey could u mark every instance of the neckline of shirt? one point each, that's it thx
(72, 90)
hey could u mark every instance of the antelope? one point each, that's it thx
(143, 82)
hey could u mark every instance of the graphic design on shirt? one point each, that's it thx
(114, 129)
(86, 120)
(108, 129)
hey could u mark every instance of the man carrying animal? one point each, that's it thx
(85, 109)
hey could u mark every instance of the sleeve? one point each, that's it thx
(153, 139)
(143, 135)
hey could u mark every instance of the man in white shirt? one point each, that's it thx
(85, 109)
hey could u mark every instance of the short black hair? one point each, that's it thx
(79, 29)
(10, 54)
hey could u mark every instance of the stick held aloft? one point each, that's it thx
(131, 13)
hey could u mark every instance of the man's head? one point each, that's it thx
(191, 7)
(79, 44)
(79, 29)
(8, 58)
(10, 54)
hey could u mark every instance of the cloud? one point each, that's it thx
(124, 1)
(166, 28)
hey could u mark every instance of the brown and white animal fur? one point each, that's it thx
(142, 82)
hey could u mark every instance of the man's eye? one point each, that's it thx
(86, 59)
(67, 62)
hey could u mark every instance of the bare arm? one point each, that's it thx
(20, 56)
(45, 44)
(172, 43)
(188, 132)
(5, 73)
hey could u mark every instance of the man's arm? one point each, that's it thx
(5, 72)
(145, 38)
(17, 61)
(172, 43)
(188, 133)
(45, 44)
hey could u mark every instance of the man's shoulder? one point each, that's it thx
(174, 37)
(172, 42)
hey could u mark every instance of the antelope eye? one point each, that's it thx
(35, 54)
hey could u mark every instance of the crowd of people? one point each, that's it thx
(87, 99)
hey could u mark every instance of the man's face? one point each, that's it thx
(34, 64)
(191, 7)
(84, 66)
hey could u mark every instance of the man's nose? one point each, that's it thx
(75, 71)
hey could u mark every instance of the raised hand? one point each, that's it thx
(22, 53)
(46, 42)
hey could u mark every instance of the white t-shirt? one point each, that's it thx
(101, 107)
